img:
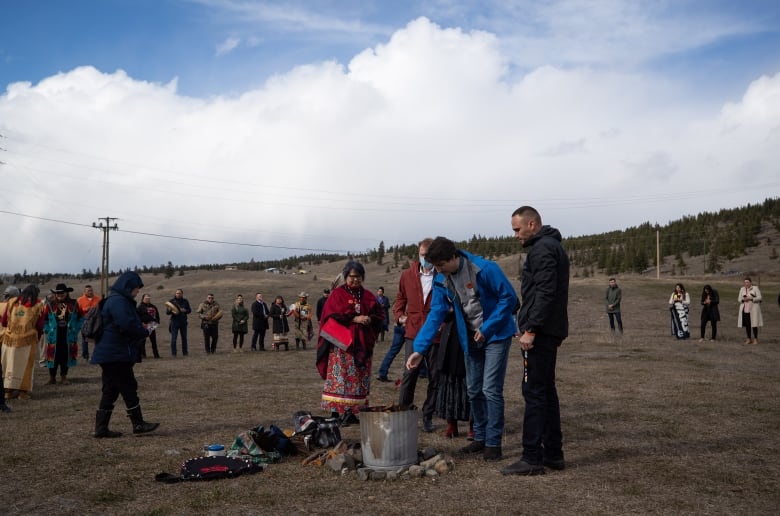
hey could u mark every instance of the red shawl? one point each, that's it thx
(341, 307)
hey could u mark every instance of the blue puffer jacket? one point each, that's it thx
(123, 332)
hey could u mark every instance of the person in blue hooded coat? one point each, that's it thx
(117, 350)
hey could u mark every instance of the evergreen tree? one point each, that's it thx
(169, 270)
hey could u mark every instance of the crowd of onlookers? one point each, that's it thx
(450, 305)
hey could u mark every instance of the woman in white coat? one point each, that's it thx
(750, 311)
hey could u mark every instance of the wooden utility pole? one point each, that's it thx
(657, 254)
(104, 264)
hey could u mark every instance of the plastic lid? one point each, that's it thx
(216, 447)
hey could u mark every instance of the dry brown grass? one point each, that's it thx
(651, 425)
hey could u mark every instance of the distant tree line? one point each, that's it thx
(718, 236)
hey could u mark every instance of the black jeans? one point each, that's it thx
(210, 336)
(118, 378)
(746, 324)
(258, 337)
(714, 327)
(612, 317)
(61, 357)
(542, 421)
(409, 380)
(153, 340)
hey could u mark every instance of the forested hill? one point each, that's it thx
(715, 238)
(712, 241)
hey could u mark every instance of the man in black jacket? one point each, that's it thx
(321, 303)
(543, 324)
(178, 308)
(259, 322)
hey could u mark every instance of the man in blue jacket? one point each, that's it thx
(544, 323)
(117, 350)
(483, 300)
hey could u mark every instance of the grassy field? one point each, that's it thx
(651, 424)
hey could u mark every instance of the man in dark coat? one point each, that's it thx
(321, 303)
(543, 324)
(178, 308)
(259, 322)
(116, 351)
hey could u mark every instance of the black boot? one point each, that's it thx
(139, 425)
(102, 417)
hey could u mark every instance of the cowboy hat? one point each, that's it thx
(303, 294)
(61, 288)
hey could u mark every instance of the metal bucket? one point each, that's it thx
(388, 440)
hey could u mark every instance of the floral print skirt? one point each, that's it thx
(347, 384)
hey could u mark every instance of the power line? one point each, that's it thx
(106, 228)
(244, 244)
(175, 237)
(58, 221)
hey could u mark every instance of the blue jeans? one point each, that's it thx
(176, 328)
(84, 348)
(395, 348)
(542, 437)
(485, 373)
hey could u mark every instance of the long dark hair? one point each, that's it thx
(29, 294)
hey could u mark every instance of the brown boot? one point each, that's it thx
(64, 380)
(51, 381)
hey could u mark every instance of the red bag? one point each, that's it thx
(336, 334)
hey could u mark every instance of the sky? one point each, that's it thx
(218, 131)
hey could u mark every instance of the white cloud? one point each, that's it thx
(608, 32)
(227, 46)
(425, 134)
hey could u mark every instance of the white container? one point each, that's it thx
(215, 450)
(389, 439)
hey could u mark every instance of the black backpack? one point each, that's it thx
(92, 327)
